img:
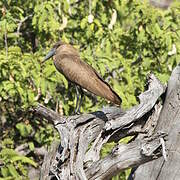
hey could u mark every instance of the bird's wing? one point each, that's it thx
(102, 88)
(85, 76)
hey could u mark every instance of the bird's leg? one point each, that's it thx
(81, 98)
(77, 100)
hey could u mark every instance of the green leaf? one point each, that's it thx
(8, 152)
(102, 69)
(168, 42)
(24, 159)
(65, 82)
(83, 23)
(43, 86)
(4, 172)
(13, 171)
(24, 130)
(31, 146)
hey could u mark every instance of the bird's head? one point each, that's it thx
(52, 52)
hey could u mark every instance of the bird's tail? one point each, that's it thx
(105, 91)
(113, 97)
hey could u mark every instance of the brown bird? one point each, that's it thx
(67, 61)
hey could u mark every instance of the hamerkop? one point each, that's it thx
(67, 61)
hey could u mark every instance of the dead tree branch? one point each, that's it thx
(82, 137)
(168, 122)
(21, 22)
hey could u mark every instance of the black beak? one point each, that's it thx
(50, 54)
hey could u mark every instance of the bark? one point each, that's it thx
(83, 136)
(169, 122)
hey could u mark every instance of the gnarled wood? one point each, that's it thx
(83, 136)
(169, 122)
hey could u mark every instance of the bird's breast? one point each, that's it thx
(67, 64)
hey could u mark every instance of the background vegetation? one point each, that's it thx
(122, 40)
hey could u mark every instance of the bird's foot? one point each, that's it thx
(77, 112)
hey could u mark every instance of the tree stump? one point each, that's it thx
(168, 122)
(153, 123)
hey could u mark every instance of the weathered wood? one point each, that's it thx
(83, 136)
(124, 156)
(46, 167)
(168, 122)
(147, 101)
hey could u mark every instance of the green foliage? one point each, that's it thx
(141, 39)
(24, 129)
(14, 164)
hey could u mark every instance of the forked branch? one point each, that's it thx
(83, 136)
